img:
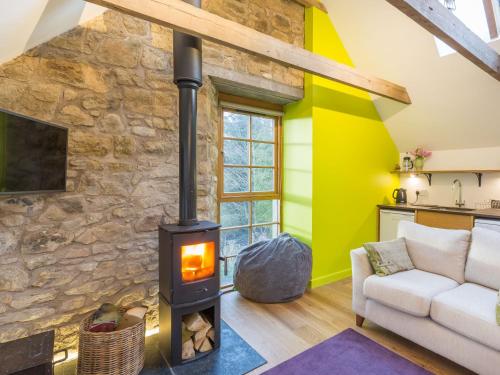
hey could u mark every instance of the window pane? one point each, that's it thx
(265, 212)
(263, 154)
(234, 214)
(263, 128)
(236, 125)
(236, 180)
(227, 271)
(263, 179)
(262, 233)
(233, 240)
(236, 152)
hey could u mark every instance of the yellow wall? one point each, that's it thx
(297, 172)
(352, 154)
(297, 189)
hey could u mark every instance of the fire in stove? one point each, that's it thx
(198, 261)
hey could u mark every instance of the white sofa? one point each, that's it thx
(447, 303)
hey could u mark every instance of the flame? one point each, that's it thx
(198, 261)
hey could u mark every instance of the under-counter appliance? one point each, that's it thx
(389, 222)
(490, 224)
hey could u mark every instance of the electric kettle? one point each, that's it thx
(399, 195)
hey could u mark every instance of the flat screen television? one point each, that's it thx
(33, 155)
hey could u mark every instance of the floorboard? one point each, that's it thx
(281, 331)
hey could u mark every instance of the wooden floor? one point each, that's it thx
(279, 332)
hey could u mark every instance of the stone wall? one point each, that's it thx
(110, 83)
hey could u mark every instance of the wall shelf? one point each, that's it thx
(428, 173)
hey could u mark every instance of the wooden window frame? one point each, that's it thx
(251, 196)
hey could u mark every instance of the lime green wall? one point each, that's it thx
(297, 173)
(352, 154)
(297, 191)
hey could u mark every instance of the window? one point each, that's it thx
(249, 182)
(480, 16)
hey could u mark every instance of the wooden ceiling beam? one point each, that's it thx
(442, 23)
(186, 18)
(313, 3)
(490, 18)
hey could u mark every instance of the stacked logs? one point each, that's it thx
(198, 335)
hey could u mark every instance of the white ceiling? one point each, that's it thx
(28, 23)
(455, 104)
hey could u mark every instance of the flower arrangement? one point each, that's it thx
(420, 152)
(420, 155)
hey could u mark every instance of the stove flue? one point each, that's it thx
(189, 250)
(188, 78)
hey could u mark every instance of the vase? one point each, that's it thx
(418, 163)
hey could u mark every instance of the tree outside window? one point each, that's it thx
(249, 190)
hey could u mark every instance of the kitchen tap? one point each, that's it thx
(459, 202)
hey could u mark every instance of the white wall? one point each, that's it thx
(28, 23)
(441, 190)
(455, 104)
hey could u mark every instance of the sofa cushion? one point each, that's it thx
(388, 257)
(409, 291)
(498, 309)
(470, 311)
(441, 251)
(483, 262)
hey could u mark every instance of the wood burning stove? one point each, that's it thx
(189, 283)
(189, 254)
(189, 250)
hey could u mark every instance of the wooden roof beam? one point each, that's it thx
(490, 17)
(313, 3)
(186, 18)
(439, 21)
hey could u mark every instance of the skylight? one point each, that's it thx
(478, 16)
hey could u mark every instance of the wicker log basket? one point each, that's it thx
(111, 353)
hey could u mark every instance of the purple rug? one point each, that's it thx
(348, 353)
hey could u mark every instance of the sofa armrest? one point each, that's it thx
(361, 269)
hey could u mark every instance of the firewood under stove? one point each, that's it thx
(198, 335)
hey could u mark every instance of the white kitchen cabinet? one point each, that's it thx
(389, 221)
(490, 224)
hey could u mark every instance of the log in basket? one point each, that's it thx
(111, 353)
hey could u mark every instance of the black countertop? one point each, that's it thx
(487, 213)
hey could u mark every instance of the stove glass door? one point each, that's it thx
(198, 261)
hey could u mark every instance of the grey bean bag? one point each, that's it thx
(273, 271)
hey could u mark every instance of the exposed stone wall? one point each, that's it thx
(282, 19)
(110, 83)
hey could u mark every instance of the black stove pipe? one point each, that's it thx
(188, 78)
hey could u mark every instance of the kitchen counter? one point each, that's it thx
(487, 213)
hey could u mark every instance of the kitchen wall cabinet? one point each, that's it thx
(389, 221)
